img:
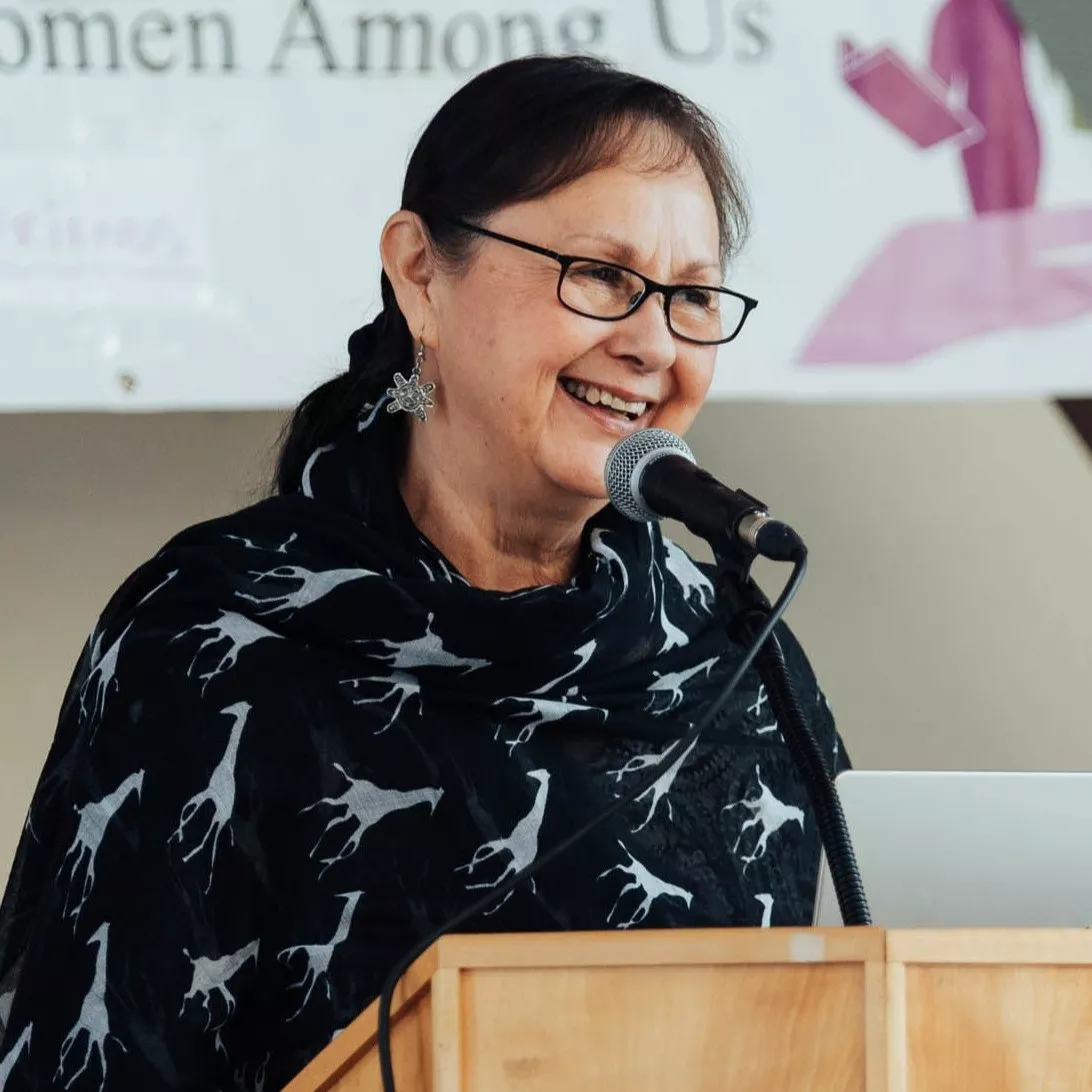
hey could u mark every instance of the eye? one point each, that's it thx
(704, 298)
(605, 274)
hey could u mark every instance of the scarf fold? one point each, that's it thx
(298, 740)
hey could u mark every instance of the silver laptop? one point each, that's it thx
(950, 850)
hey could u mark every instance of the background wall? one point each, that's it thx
(946, 610)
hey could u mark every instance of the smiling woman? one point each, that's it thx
(553, 155)
(307, 734)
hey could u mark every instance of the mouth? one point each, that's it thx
(605, 406)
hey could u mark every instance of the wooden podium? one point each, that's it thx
(746, 1010)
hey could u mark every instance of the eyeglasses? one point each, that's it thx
(699, 313)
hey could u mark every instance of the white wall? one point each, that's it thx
(948, 604)
(946, 609)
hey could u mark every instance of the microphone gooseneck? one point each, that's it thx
(808, 758)
(746, 609)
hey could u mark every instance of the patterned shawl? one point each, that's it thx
(298, 741)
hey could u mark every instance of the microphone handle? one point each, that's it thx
(675, 487)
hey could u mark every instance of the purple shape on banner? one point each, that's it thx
(1011, 266)
(939, 283)
(914, 101)
(977, 46)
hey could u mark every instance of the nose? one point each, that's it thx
(645, 337)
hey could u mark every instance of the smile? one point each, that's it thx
(593, 396)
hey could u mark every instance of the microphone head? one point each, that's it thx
(626, 463)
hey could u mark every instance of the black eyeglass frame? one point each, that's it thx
(651, 287)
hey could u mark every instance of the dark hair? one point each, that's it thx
(515, 132)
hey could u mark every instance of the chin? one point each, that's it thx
(575, 466)
(584, 486)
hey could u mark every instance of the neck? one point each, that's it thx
(500, 536)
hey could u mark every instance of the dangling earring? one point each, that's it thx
(411, 395)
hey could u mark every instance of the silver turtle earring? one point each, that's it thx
(411, 395)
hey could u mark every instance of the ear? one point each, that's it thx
(406, 253)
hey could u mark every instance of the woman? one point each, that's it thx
(307, 734)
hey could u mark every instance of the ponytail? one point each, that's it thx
(376, 351)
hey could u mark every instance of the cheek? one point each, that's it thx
(528, 346)
(692, 380)
(509, 356)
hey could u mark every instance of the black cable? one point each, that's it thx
(386, 996)
(811, 764)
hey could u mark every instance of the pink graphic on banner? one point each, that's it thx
(977, 44)
(1012, 265)
(935, 284)
(914, 101)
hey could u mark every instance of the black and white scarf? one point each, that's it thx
(298, 741)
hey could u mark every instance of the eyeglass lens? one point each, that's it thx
(609, 292)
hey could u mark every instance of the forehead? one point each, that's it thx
(670, 213)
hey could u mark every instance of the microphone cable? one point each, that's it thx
(495, 895)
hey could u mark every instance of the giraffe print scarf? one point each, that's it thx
(298, 741)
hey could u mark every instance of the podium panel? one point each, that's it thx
(750, 1009)
(837, 1010)
(1009, 1010)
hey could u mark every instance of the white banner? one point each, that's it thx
(191, 194)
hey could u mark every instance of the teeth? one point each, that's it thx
(594, 396)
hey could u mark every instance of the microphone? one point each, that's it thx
(652, 473)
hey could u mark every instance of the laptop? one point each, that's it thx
(976, 850)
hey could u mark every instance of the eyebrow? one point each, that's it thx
(625, 254)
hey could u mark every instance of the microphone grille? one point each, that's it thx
(626, 463)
